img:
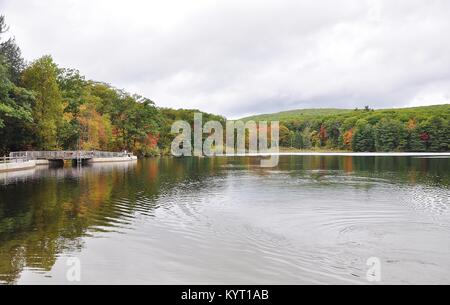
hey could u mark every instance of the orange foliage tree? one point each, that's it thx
(348, 138)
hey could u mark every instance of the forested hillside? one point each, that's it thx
(408, 129)
(294, 115)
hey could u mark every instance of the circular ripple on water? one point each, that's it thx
(428, 199)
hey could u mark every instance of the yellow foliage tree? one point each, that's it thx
(96, 128)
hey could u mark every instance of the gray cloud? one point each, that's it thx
(245, 57)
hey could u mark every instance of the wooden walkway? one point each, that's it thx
(67, 155)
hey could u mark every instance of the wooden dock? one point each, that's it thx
(21, 160)
(76, 155)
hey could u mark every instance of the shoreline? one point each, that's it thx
(355, 154)
(20, 166)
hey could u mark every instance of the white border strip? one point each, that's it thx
(351, 154)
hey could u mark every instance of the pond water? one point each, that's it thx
(312, 219)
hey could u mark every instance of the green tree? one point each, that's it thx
(415, 142)
(298, 140)
(388, 134)
(435, 133)
(285, 136)
(15, 102)
(333, 131)
(41, 78)
(75, 92)
(306, 138)
(9, 108)
(12, 56)
(15, 113)
(363, 137)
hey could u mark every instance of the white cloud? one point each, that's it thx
(241, 57)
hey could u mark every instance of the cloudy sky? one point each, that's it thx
(246, 57)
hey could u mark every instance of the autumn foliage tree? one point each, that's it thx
(348, 138)
(96, 129)
(323, 135)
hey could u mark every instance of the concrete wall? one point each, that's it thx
(42, 162)
(18, 166)
(117, 159)
(10, 167)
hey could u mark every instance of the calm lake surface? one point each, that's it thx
(313, 219)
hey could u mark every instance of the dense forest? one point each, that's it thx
(365, 130)
(46, 107)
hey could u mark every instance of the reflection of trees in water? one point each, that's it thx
(46, 212)
(34, 227)
(397, 169)
(44, 217)
(16, 177)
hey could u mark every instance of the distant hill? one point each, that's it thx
(307, 114)
(414, 129)
(296, 114)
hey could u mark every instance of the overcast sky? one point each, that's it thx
(246, 57)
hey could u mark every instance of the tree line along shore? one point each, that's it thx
(46, 107)
(416, 129)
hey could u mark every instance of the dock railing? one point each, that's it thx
(6, 159)
(67, 155)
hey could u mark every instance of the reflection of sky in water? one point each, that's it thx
(225, 220)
